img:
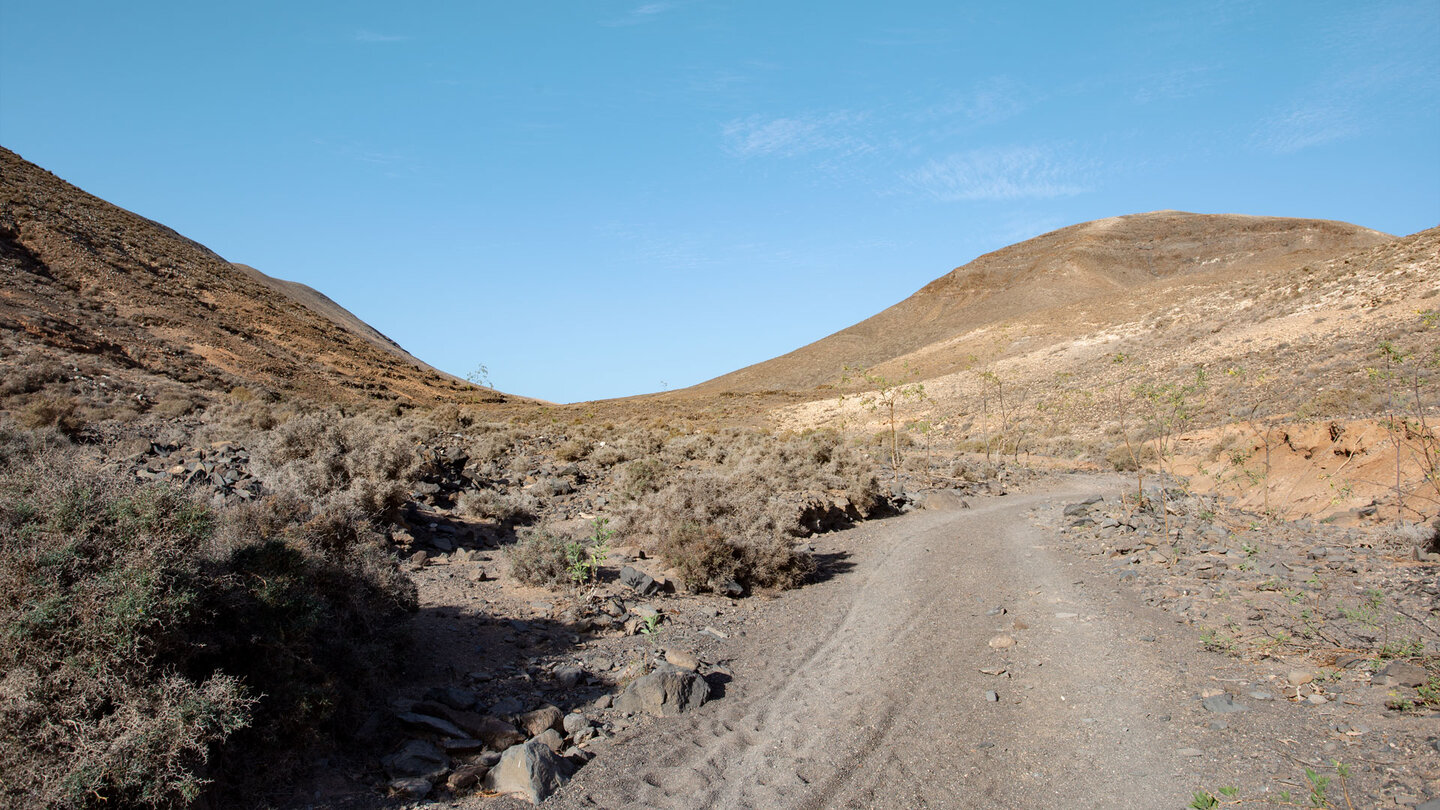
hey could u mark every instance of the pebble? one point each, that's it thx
(1001, 642)
(1299, 677)
(1190, 752)
(992, 696)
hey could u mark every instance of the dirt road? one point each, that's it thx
(869, 689)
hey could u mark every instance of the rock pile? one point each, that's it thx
(221, 468)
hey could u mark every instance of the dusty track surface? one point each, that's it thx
(867, 690)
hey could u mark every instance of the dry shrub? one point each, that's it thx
(608, 455)
(734, 521)
(56, 412)
(144, 632)
(494, 445)
(572, 450)
(702, 555)
(349, 461)
(540, 558)
(509, 507)
(638, 478)
(26, 372)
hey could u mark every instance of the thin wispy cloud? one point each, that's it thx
(1304, 126)
(759, 136)
(1006, 173)
(1173, 84)
(988, 102)
(371, 37)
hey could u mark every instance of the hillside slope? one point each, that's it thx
(84, 277)
(1099, 261)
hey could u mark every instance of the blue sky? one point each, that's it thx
(600, 198)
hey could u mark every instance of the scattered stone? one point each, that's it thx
(1222, 704)
(1316, 699)
(666, 692)
(1259, 695)
(992, 696)
(543, 718)
(1299, 677)
(567, 677)
(682, 659)
(603, 702)
(710, 631)
(1190, 752)
(641, 582)
(553, 739)
(466, 777)
(1404, 673)
(995, 611)
(413, 788)
(1001, 642)
(433, 725)
(531, 771)
(575, 723)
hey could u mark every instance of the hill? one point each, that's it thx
(86, 283)
(1101, 261)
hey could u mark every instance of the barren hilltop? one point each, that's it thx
(1092, 263)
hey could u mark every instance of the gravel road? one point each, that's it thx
(869, 689)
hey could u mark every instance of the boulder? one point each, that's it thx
(531, 771)
(666, 692)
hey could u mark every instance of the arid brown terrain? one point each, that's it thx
(84, 278)
(1124, 515)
